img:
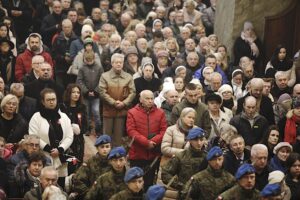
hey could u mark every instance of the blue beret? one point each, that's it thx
(155, 192)
(103, 139)
(117, 152)
(195, 133)
(214, 152)
(133, 173)
(271, 190)
(244, 169)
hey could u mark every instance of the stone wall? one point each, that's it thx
(231, 15)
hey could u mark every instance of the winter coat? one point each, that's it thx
(77, 45)
(251, 134)
(217, 127)
(145, 126)
(7, 63)
(143, 84)
(40, 126)
(231, 163)
(276, 164)
(23, 62)
(168, 112)
(202, 119)
(27, 107)
(61, 46)
(13, 131)
(4, 176)
(115, 87)
(199, 74)
(266, 108)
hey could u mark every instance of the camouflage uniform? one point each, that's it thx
(238, 193)
(207, 184)
(106, 186)
(185, 164)
(127, 195)
(88, 173)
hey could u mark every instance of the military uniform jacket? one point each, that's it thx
(127, 195)
(89, 172)
(185, 164)
(207, 184)
(238, 193)
(106, 186)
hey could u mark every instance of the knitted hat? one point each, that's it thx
(87, 41)
(284, 97)
(196, 82)
(280, 145)
(131, 50)
(85, 28)
(225, 88)
(275, 177)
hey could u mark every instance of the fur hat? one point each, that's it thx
(85, 28)
(225, 88)
(280, 145)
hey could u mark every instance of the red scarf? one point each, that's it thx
(290, 129)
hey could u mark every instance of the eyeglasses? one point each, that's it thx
(33, 145)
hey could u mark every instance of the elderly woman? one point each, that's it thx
(55, 131)
(281, 153)
(248, 45)
(174, 139)
(12, 125)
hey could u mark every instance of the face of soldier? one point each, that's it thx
(198, 143)
(216, 163)
(118, 164)
(136, 185)
(247, 181)
(104, 149)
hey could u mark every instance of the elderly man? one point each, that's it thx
(49, 176)
(281, 85)
(140, 30)
(192, 100)
(203, 46)
(36, 62)
(246, 64)
(27, 105)
(264, 106)
(296, 90)
(172, 98)
(191, 15)
(237, 154)
(45, 81)
(190, 46)
(179, 21)
(146, 125)
(251, 125)
(207, 184)
(244, 189)
(123, 22)
(96, 18)
(215, 82)
(24, 60)
(117, 90)
(259, 159)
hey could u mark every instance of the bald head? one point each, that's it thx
(172, 97)
(256, 87)
(250, 107)
(147, 99)
(296, 90)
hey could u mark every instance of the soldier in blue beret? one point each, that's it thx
(271, 192)
(135, 183)
(155, 192)
(111, 182)
(245, 189)
(89, 171)
(188, 162)
(207, 184)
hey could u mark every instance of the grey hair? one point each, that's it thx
(16, 87)
(258, 147)
(216, 74)
(280, 74)
(116, 56)
(47, 169)
(186, 111)
(7, 98)
(27, 138)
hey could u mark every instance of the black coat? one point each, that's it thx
(34, 88)
(14, 131)
(294, 187)
(142, 84)
(28, 78)
(266, 108)
(231, 163)
(3, 175)
(7, 64)
(252, 135)
(27, 107)
(261, 180)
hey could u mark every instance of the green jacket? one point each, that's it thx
(185, 164)
(88, 173)
(238, 193)
(128, 195)
(106, 186)
(207, 184)
(202, 117)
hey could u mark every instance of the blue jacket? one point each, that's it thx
(276, 164)
(198, 74)
(77, 45)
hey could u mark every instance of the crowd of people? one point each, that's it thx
(173, 114)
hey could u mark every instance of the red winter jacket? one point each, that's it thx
(23, 63)
(144, 127)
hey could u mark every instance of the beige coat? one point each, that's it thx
(115, 87)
